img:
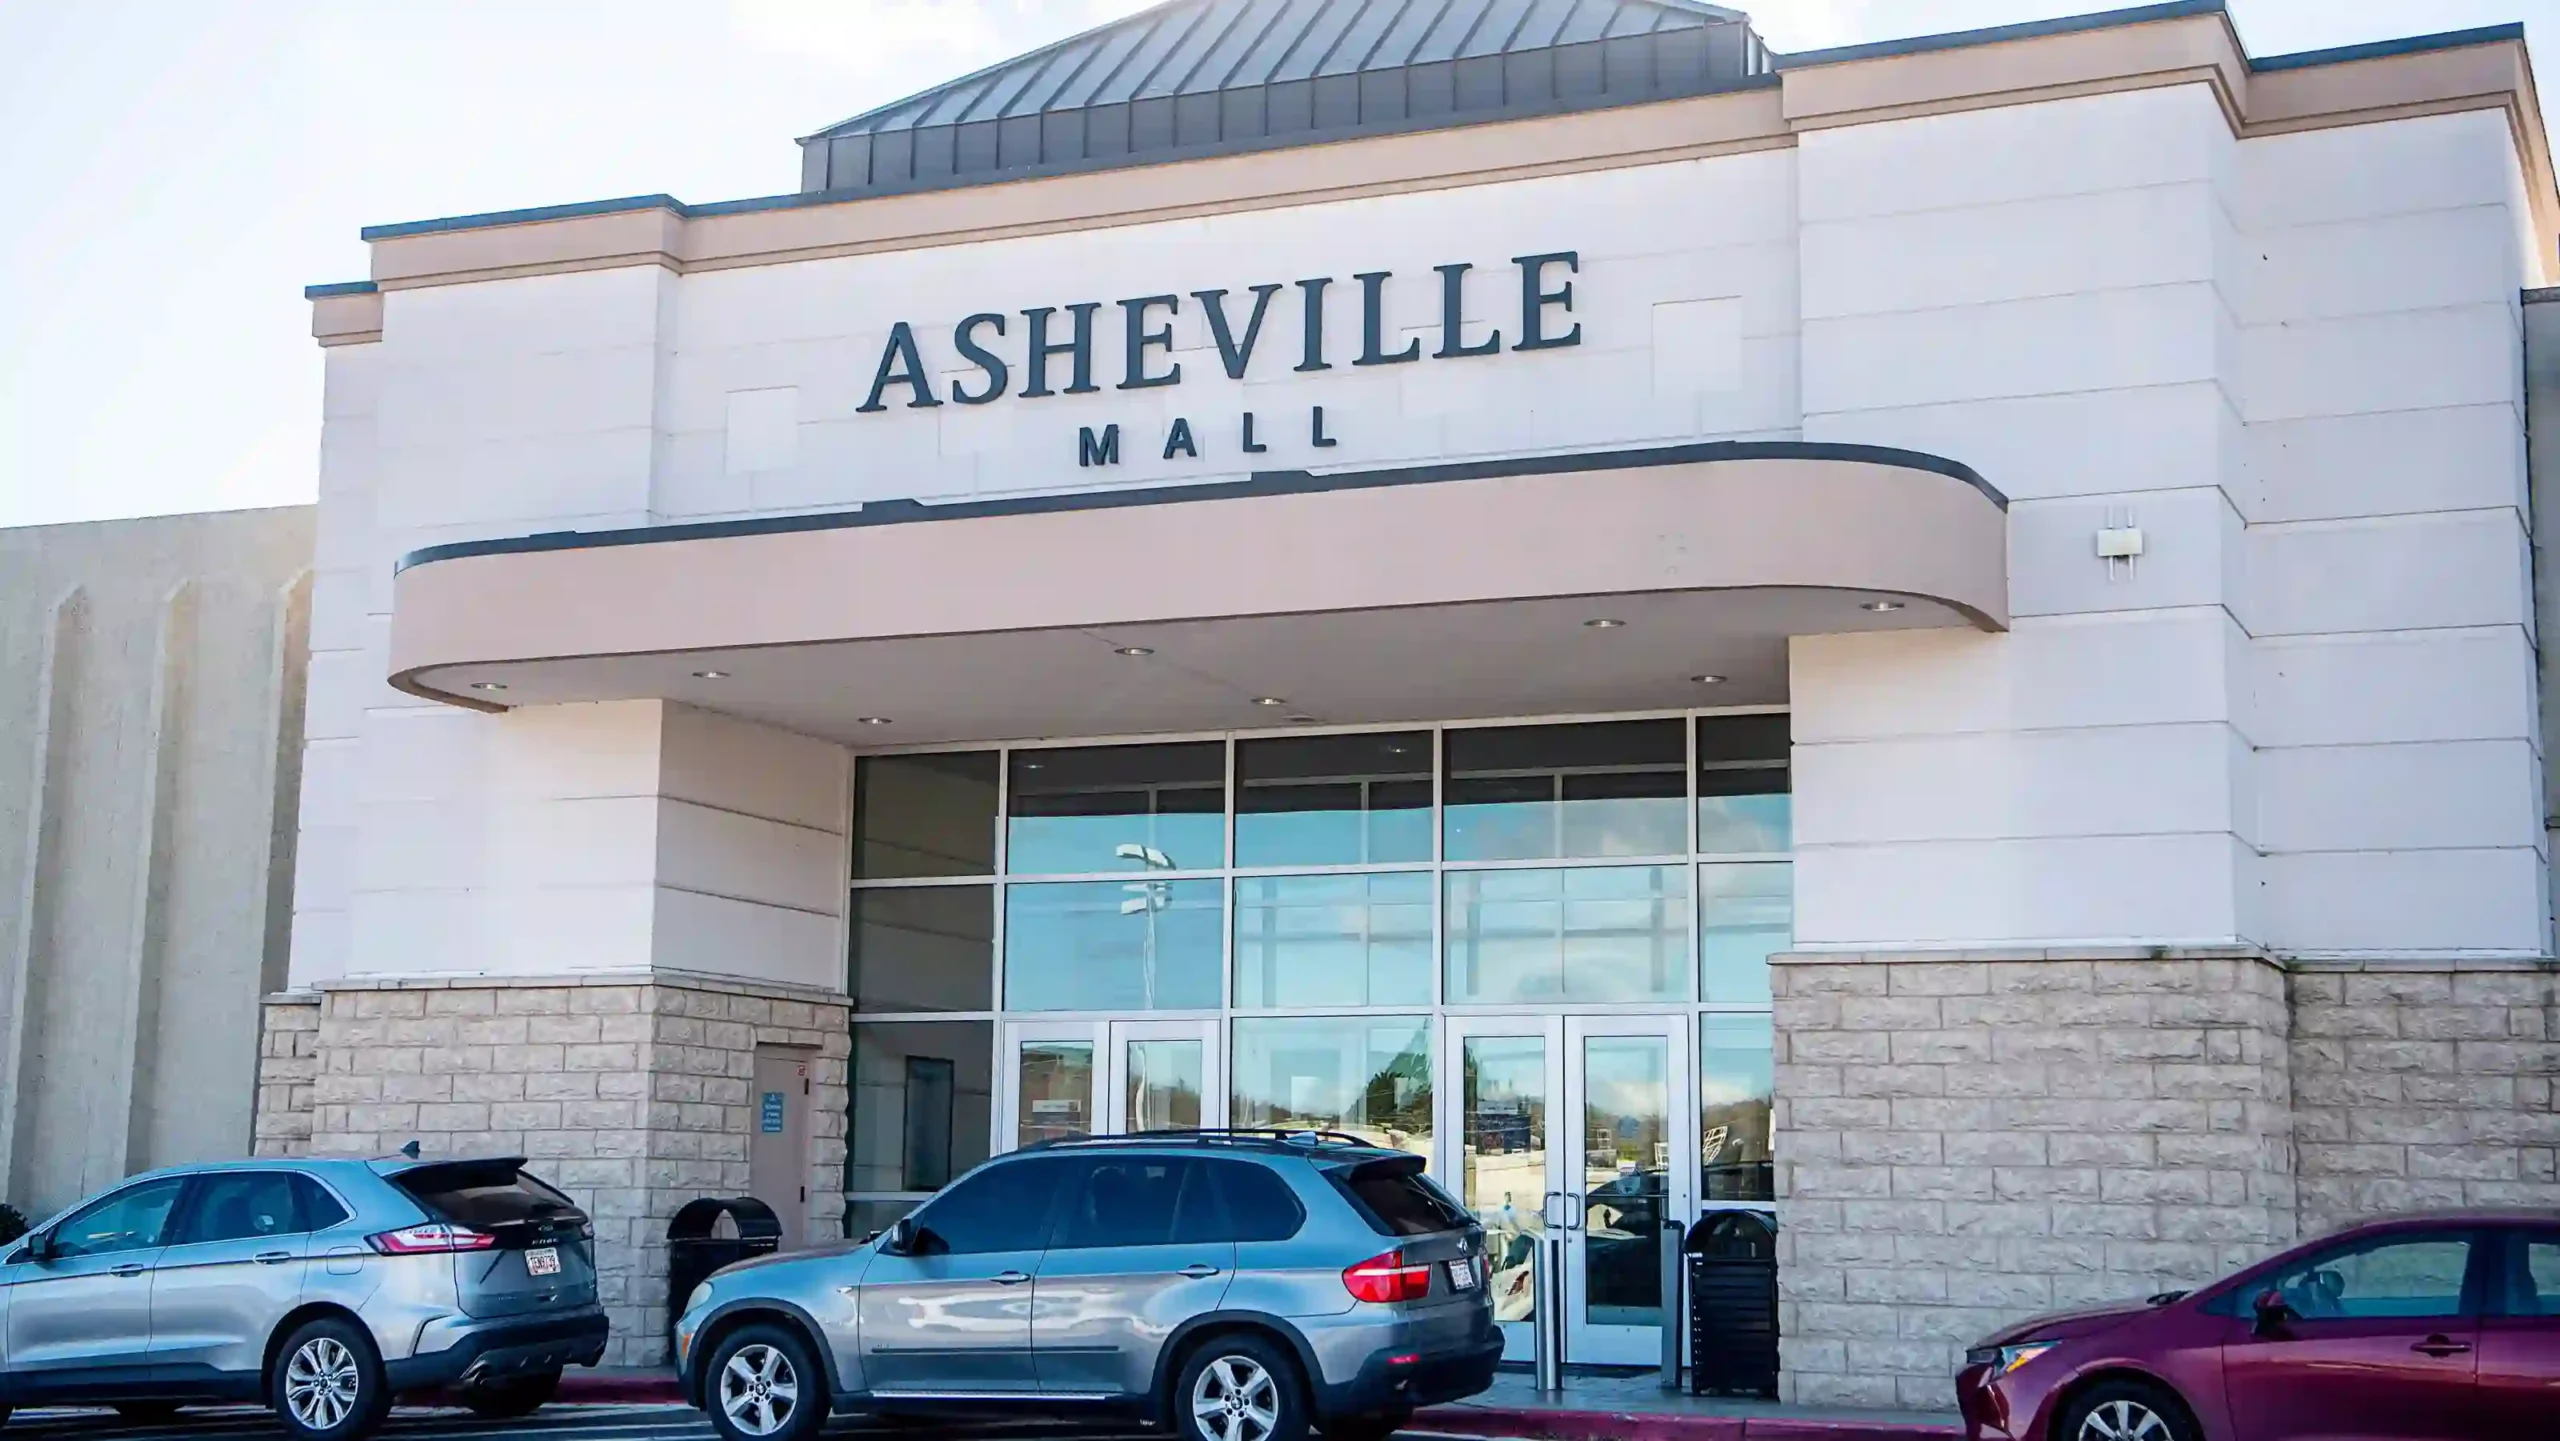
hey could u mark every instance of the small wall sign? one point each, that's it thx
(770, 1121)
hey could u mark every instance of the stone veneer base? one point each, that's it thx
(630, 1092)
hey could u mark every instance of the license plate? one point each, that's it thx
(542, 1261)
(1462, 1274)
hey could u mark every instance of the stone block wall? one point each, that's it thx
(288, 1067)
(1966, 1140)
(632, 1095)
(2424, 1086)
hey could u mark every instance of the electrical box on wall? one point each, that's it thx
(2120, 543)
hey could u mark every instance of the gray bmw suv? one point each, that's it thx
(1233, 1285)
(322, 1288)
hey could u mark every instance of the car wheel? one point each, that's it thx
(765, 1386)
(328, 1383)
(1375, 1426)
(147, 1412)
(1240, 1388)
(2125, 1411)
(516, 1396)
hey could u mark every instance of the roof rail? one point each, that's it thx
(1276, 1135)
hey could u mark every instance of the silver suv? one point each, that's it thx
(1236, 1285)
(322, 1288)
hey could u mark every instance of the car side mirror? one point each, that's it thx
(40, 1247)
(2272, 1313)
(900, 1238)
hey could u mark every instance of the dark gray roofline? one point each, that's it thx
(1996, 34)
(2381, 49)
(985, 70)
(339, 287)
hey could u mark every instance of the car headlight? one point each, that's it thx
(2004, 1359)
(700, 1298)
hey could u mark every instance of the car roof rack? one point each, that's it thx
(1297, 1137)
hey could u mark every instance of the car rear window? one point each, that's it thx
(1396, 1199)
(482, 1194)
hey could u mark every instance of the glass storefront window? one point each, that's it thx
(1747, 915)
(1735, 1087)
(1163, 1084)
(1743, 782)
(1347, 800)
(924, 815)
(1139, 945)
(1117, 808)
(1566, 792)
(923, 1093)
(1595, 933)
(1366, 1075)
(926, 948)
(1333, 940)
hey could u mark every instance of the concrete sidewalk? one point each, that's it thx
(1591, 1408)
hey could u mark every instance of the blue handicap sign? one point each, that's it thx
(772, 1118)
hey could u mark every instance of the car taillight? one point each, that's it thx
(1386, 1277)
(433, 1238)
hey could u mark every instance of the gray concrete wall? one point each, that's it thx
(151, 694)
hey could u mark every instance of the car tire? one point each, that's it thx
(327, 1384)
(763, 1385)
(1239, 1387)
(1373, 1426)
(514, 1397)
(148, 1413)
(2125, 1411)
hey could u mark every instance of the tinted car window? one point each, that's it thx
(131, 1220)
(320, 1210)
(1137, 1201)
(236, 1205)
(2532, 1274)
(1258, 1205)
(2403, 1276)
(481, 1194)
(1396, 1199)
(1002, 1208)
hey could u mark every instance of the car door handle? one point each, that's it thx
(1010, 1278)
(1197, 1272)
(273, 1258)
(128, 1269)
(2441, 1346)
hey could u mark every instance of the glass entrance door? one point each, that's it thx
(1104, 1078)
(1573, 1123)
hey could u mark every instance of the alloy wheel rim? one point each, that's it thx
(759, 1390)
(321, 1383)
(1235, 1399)
(2124, 1421)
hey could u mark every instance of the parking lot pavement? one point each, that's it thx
(557, 1423)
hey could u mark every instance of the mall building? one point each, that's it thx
(1940, 633)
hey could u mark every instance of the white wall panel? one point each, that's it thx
(2389, 573)
(2391, 463)
(2436, 162)
(2422, 260)
(2018, 785)
(695, 932)
(2096, 143)
(2400, 686)
(2405, 360)
(2191, 553)
(2407, 902)
(749, 858)
(2117, 339)
(2099, 442)
(2020, 250)
(2084, 890)
(2445, 795)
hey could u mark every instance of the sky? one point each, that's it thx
(177, 170)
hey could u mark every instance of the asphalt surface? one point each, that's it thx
(552, 1423)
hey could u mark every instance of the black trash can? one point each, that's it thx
(708, 1234)
(1733, 1304)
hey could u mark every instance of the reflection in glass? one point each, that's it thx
(1615, 788)
(922, 1095)
(1113, 946)
(1055, 1086)
(1117, 808)
(924, 815)
(930, 948)
(1626, 1160)
(1164, 1085)
(1734, 1091)
(1333, 940)
(1505, 1185)
(1367, 1075)
(864, 1219)
(1743, 781)
(1349, 800)
(1747, 915)
(1599, 933)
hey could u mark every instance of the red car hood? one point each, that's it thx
(2065, 1325)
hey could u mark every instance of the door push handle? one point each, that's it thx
(2441, 1346)
(1197, 1272)
(1010, 1278)
(127, 1269)
(273, 1258)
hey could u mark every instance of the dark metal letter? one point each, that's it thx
(1140, 338)
(1097, 450)
(900, 365)
(965, 340)
(1315, 323)
(1081, 347)
(1179, 438)
(1453, 316)
(1373, 320)
(1235, 356)
(1534, 300)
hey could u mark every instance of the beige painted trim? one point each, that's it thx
(2201, 49)
(346, 319)
(1755, 524)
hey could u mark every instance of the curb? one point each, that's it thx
(1472, 1421)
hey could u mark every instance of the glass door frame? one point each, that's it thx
(1106, 1105)
(1585, 1338)
(1530, 1216)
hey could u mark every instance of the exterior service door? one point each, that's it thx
(1141, 1248)
(232, 1269)
(2520, 1338)
(1629, 1128)
(81, 1321)
(953, 1318)
(1507, 1073)
(778, 1146)
(2382, 1349)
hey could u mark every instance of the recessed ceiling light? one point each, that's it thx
(1268, 700)
(1604, 623)
(1304, 720)
(1135, 650)
(871, 720)
(487, 685)
(1882, 607)
(711, 675)
(1708, 679)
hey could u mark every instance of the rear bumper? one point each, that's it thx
(1429, 1379)
(494, 1350)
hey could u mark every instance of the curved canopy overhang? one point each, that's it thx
(1443, 592)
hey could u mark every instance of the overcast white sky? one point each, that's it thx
(175, 171)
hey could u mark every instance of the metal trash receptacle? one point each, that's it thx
(708, 1234)
(1733, 1304)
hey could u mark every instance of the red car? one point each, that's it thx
(2440, 1327)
